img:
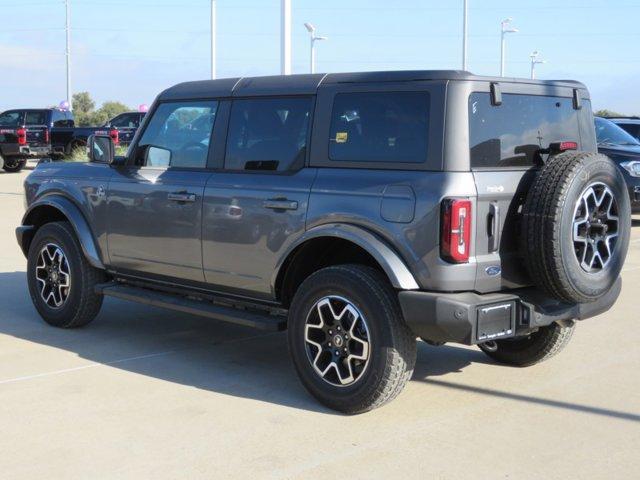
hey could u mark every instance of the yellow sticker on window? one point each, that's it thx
(342, 137)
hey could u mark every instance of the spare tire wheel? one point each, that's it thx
(576, 223)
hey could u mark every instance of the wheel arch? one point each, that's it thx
(58, 208)
(322, 246)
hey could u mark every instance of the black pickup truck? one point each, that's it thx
(50, 132)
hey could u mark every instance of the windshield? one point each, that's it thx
(609, 132)
(11, 119)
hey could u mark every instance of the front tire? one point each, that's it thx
(14, 165)
(348, 340)
(61, 280)
(534, 348)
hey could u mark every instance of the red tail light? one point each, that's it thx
(115, 136)
(22, 136)
(455, 240)
(46, 135)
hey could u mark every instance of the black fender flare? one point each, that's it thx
(72, 212)
(394, 267)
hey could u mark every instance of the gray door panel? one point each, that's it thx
(500, 195)
(155, 221)
(249, 220)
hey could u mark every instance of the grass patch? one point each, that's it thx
(79, 154)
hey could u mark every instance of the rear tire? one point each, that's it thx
(14, 165)
(61, 280)
(576, 224)
(534, 348)
(361, 301)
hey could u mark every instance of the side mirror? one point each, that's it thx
(100, 149)
(157, 157)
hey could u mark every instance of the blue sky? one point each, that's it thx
(130, 50)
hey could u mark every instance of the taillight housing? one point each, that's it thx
(22, 136)
(115, 136)
(455, 235)
(46, 135)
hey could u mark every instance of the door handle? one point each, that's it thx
(493, 227)
(280, 204)
(182, 197)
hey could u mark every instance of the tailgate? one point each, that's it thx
(37, 136)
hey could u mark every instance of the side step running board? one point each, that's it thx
(261, 321)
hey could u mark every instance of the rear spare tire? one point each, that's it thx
(576, 223)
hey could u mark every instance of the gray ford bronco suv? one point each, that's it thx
(358, 211)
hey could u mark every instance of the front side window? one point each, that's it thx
(380, 127)
(513, 133)
(180, 133)
(11, 119)
(616, 133)
(268, 134)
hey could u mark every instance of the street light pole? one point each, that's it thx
(213, 39)
(313, 39)
(464, 34)
(505, 27)
(68, 51)
(535, 61)
(285, 37)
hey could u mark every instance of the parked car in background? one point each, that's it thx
(26, 133)
(50, 132)
(624, 150)
(357, 210)
(127, 125)
(629, 124)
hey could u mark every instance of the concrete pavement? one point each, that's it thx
(146, 393)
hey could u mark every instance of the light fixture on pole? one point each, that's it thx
(213, 39)
(67, 53)
(535, 61)
(314, 38)
(505, 27)
(464, 34)
(285, 37)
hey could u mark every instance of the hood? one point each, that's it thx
(620, 152)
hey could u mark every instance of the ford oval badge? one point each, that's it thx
(493, 270)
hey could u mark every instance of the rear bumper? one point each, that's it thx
(471, 318)
(24, 151)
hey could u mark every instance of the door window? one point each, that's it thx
(11, 119)
(380, 127)
(268, 134)
(183, 129)
(127, 120)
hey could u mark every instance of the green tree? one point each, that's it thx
(83, 108)
(607, 113)
(107, 111)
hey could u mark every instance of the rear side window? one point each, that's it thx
(512, 134)
(11, 119)
(180, 133)
(387, 127)
(268, 134)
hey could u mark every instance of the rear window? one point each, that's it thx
(511, 134)
(35, 118)
(387, 127)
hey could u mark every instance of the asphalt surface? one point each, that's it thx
(146, 393)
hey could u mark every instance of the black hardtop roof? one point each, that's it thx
(307, 84)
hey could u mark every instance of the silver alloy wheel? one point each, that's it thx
(337, 341)
(53, 275)
(595, 227)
